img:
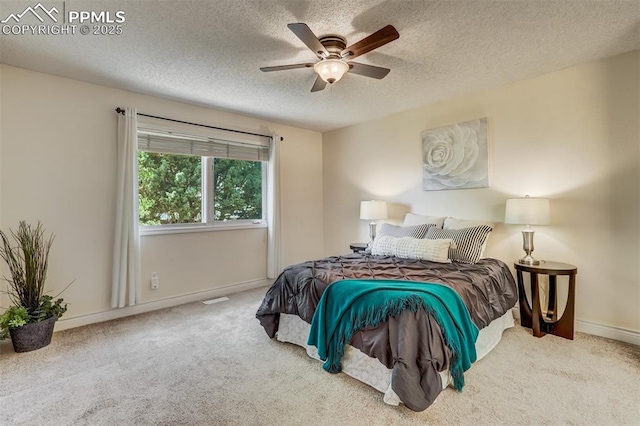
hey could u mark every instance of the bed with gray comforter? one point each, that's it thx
(412, 343)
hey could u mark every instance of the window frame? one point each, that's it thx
(208, 224)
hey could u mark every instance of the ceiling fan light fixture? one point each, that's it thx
(335, 56)
(331, 70)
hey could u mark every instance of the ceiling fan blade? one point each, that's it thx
(368, 70)
(309, 38)
(319, 85)
(367, 44)
(286, 67)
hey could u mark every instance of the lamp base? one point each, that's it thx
(372, 231)
(529, 260)
(527, 246)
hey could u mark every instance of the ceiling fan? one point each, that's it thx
(335, 57)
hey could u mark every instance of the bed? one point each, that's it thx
(487, 289)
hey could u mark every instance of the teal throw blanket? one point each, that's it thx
(350, 305)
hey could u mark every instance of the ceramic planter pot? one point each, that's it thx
(33, 336)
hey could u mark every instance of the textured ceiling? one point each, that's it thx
(209, 52)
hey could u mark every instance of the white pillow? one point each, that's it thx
(453, 223)
(413, 248)
(415, 219)
(384, 245)
(389, 230)
(421, 249)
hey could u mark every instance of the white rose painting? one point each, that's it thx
(456, 157)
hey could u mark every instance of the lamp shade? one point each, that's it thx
(373, 210)
(527, 211)
(331, 70)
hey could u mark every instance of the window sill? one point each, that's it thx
(184, 229)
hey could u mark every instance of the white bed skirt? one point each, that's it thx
(293, 329)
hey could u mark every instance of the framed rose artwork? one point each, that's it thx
(456, 156)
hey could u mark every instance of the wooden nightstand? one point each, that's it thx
(533, 317)
(358, 247)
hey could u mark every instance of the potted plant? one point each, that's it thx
(30, 320)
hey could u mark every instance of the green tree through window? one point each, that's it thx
(237, 189)
(171, 188)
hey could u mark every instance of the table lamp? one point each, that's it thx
(527, 211)
(373, 210)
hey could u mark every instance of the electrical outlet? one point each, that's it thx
(155, 281)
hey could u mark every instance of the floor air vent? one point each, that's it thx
(212, 301)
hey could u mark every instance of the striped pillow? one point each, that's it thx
(469, 242)
(418, 231)
(453, 223)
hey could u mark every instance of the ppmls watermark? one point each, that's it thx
(42, 20)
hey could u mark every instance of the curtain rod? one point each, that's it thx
(121, 111)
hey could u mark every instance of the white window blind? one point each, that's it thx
(175, 143)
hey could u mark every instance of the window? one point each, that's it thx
(187, 182)
(237, 193)
(169, 188)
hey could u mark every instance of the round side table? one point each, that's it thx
(532, 317)
(358, 247)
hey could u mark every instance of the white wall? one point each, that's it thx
(572, 136)
(58, 164)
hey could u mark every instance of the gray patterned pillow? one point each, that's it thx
(418, 231)
(469, 242)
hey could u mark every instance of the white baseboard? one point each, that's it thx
(79, 321)
(597, 329)
(608, 331)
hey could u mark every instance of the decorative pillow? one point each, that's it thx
(433, 250)
(413, 248)
(384, 245)
(469, 242)
(453, 223)
(418, 231)
(415, 219)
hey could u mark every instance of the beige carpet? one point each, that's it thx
(208, 365)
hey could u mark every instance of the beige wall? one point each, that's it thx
(572, 136)
(3, 298)
(57, 165)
